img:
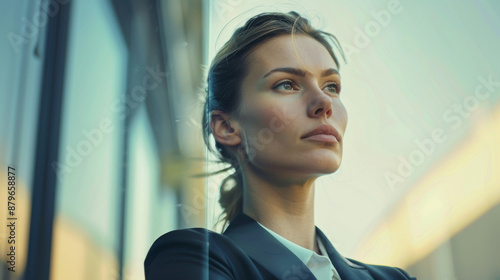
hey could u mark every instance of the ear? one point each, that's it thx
(225, 129)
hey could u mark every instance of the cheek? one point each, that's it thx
(279, 116)
(256, 118)
(340, 113)
(272, 121)
(266, 123)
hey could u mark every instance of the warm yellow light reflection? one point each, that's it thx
(76, 256)
(456, 192)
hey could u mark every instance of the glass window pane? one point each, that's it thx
(85, 237)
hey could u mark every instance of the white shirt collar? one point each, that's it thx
(310, 258)
(302, 253)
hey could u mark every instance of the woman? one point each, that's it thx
(273, 107)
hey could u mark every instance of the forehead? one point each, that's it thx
(303, 52)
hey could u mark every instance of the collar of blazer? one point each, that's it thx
(264, 249)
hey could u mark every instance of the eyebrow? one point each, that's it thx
(300, 72)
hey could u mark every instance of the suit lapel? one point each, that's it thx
(346, 269)
(269, 253)
(264, 249)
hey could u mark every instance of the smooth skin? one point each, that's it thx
(291, 87)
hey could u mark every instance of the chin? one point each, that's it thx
(326, 167)
(328, 171)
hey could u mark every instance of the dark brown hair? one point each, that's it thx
(225, 76)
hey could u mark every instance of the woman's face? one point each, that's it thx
(286, 94)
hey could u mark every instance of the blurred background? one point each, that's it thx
(100, 121)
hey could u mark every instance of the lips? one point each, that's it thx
(323, 132)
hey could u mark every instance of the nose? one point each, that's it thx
(320, 105)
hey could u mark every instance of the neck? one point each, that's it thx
(287, 209)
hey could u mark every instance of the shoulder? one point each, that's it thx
(384, 272)
(193, 253)
(192, 239)
(181, 253)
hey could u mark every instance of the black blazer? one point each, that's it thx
(244, 251)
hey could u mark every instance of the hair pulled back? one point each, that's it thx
(225, 76)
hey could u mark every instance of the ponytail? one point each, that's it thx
(231, 197)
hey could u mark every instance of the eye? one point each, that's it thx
(286, 86)
(333, 88)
